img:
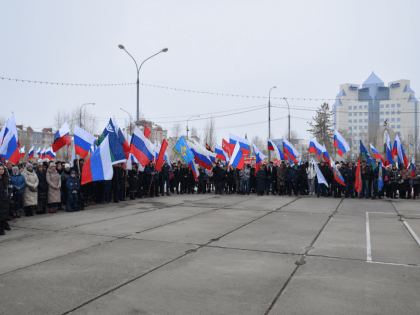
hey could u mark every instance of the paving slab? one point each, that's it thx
(63, 220)
(127, 225)
(407, 208)
(361, 206)
(18, 233)
(221, 201)
(276, 232)
(26, 251)
(344, 236)
(201, 229)
(325, 286)
(312, 205)
(264, 203)
(60, 285)
(415, 226)
(391, 242)
(210, 281)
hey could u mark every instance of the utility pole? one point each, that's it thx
(269, 120)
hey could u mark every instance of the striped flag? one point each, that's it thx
(99, 165)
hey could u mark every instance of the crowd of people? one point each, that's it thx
(40, 187)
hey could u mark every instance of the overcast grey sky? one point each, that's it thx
(305, 48)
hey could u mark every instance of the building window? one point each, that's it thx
(355, 134)
(360, 114)
(360, 120)
(355, 141)
(398, 112)
(365, 134)
(349, 114)
(360, 127)
(392, 113)
(360, 134)
(398, 126)
(398, 119)
(355, 121)
(387, 105)
(349, 128)
(360, 106)
(399, 134)
(392, 126)
(382, 106)
(382, 113)
(365, 106)
(398, 105)
(382, 119)
(392, 119)
(387, 113)
(365, 127)
(354, 127)
(350, 121)
(392, 105)
(365, 120)
(349, 107)
(349, 134)
(366, 114)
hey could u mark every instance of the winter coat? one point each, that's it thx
(416, 179)
(281, 175)
(261, 175)
(30, 194)
(5, 192)
(302, 174)
(217, 174)
(367, 172)
(53, 180)
(272, 173)
(166, 170)
(72, 184)
(293, 174)
(133, 180)
(18, 181)
(42, 184)
(244, 173)
(311, 172)
(349, 174)
(202, 175)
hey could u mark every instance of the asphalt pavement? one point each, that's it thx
(212, 254)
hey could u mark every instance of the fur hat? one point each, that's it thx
(28, 165)
(67, 165)
(15, 168)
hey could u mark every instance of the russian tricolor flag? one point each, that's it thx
(201, 155)
(9, 149)
(279, 154)
(194, 169)
(123, 141)
(61, 138)
(401, 156)
(270, 145)
(98, 166)
(397, 144)
(83, 141)
(50, 154)
(389, 155)
(31, 153)
(259, 158)
(237, 159)
(22, 152)
(140, 147)
(244, 143)
(315, 147)
(38, 152)
(340, 143)
(290, 151)
(220, 154)
(376, 154)
(326, 156)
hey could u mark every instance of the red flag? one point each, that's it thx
(358, 182)
(162, 151)
(147, 132)
(208, 148)
(227, 147)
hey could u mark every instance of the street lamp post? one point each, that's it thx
(269, 120)
(130, 119)
(138, 72)
(80, 114)
(288, 108)
(187, 123)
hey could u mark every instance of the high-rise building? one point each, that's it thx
(360, 111)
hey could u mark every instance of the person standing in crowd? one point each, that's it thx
(217, 178)
(202, 180)
(73, 185)
(404, 183)
(54, 185)
(293, 177)
(5, 195)
(30, 194)
(244, 173)
(416, 182)
(238, 181)
(394, 177)
(184, 178)
(133, 181)
(59, 168)
(272, 178)
(176, 179)
(261, 175)
(311, 173)
(336, 186)
(150, 187)
(303, 179)
(230, 178)
(366, 175)
(165, 176)
(18, 183)
(42, 190)
(281, 179)
(65, 174)
(349, 175)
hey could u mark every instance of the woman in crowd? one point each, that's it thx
(54, 185)
(18, 183)
(261, 184)
(5, 195)
(30, 194)
(311, 178)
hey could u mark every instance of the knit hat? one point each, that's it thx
(52, 164)
(67, 165)
(72, 172)
(15, 168)
(28, 165)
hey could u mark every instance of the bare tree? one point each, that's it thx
(322, 126)
(176, 130)
(194, 132)
(294, 136)
(2, 121)
(261, 145)
(210, 137)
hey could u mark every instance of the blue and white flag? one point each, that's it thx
(321, 179)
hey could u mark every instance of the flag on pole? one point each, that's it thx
(38, 153)
(140, 147)
(316, 148)
(182, 149)
(244, 143)
(227, 148)
(321, 178)
(220, 154)
(376, 154)
(22, 152)
(279, 154)
(161, 156)
(61, 138)
(401, 156)
(9, 149)
(326, 156)
(337, 175)
(192, 166)
(290, 151)
(147, 132)
(31, 153)
(201, 155)
(123, 141)
(259, 158)
(397, 144)
(99, 165)
(358, 182)
(380, 178)
(389, 155)
(83, 141)
(237, 159)
(73, 156)
(340, 143)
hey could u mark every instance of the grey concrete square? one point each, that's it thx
(277, 232)
(126, 225)
(210, 281)
(220, 201)
(201, 229)
(269, 203)
(19, 233)
(306, 205)
(361, 206)
(407, 208)
(27, 251)
(64, 283)
(327, 286)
